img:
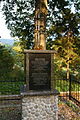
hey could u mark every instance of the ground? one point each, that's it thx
(11, 110)
(68, 111)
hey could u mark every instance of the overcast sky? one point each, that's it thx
(4, 32)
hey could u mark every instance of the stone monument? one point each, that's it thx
(39, 97)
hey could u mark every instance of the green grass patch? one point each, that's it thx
(63, 86)
(10, 87)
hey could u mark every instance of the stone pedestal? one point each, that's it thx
(40, 105)
(39, 97)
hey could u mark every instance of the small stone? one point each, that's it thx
(37, 114)
(39, 108)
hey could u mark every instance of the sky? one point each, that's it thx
(4, 32)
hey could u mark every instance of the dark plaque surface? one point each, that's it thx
(39, 71)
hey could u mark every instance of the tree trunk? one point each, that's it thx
(40, 24)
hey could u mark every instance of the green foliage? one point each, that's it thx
(19, 19)
(66, 56)
(62, 85)
(61, 20)
(9, 88)
(19, 16)
(11, 64)
(6, 62)
(18, 55)
(66, 48)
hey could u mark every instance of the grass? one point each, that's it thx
(14, 87)
(10, 87)
(63, 86)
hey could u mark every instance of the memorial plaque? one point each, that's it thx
(39, 71)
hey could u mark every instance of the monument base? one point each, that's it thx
(40, 105)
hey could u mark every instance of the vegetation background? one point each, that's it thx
(62, 35)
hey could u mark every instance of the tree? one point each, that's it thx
(63, 20)
(19, 16)
(18, 55)
(6, 62)
(67, 46)
(19, 19)
(66, 52)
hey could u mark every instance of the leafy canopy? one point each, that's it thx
(19, 16)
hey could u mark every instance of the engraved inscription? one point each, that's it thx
(40, 71)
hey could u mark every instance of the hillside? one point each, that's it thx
(7, 41)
